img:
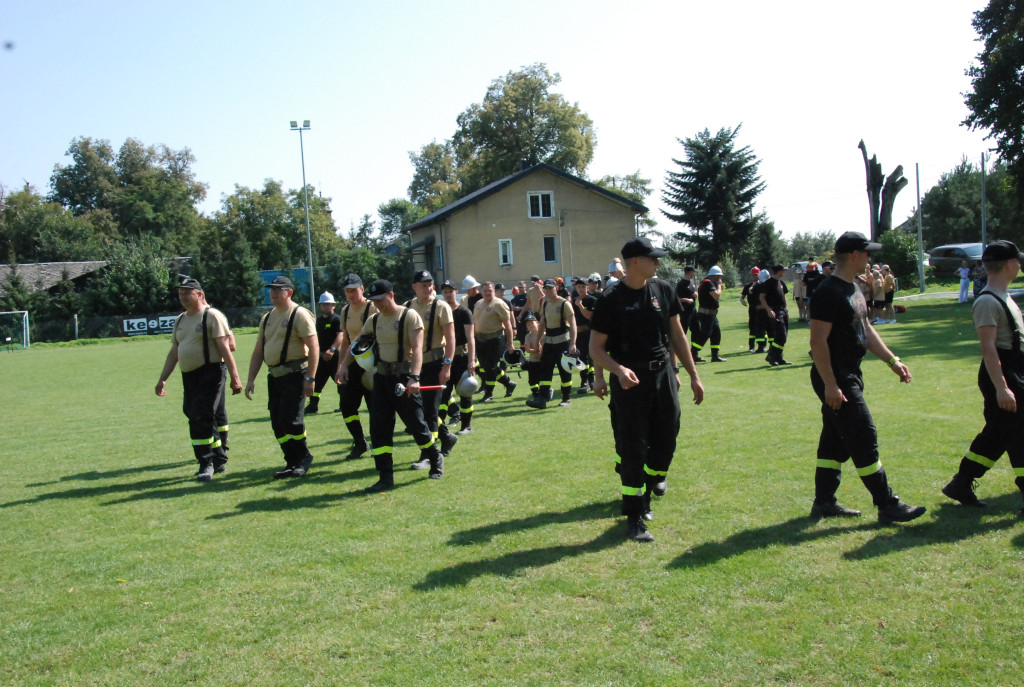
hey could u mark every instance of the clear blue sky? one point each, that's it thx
(808, 80)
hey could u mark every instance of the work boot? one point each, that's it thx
(832, 509)
(509, 388)
(284, 474)
(455, 417)
(380, 485)
(436, 465)
(897, 511)
(423, 463)
(357, 451)
(648, 513)
(313, 408)
(302, 468)
(448, 442)
(466, 429)
(779, 360)
(537, 402)
(636, 529)
(695, 354)
(205, 473)
(760, 348)
(715, 358)
(961, 488)
(660, 488)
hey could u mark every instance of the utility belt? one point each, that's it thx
(432, 355)
(707, 311)
(644, 365)
(290, 367)
(489, 336)
(393, 369)
(558, 338)
(460, 350)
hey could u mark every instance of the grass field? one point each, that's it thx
(119, 569)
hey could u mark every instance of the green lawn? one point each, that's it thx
(119, 569)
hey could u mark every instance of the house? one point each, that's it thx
(540, 221)
(43, 276)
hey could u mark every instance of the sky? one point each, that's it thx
(806, 80)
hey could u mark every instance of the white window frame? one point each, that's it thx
(505, 243)
(530, 195)
(554, 248)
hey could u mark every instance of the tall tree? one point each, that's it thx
(435, 180)
(634, 187)
(521, 121)
(714, 192)
(395, 215)
(41, 231)
(996, 99)
(137, 280)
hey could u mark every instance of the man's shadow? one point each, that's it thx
(512, 563)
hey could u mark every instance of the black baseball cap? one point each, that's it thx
(997, 250)
(535, 278)
(187, 282)
(421, 276)
(448, 284)
(641, 247)
(854, 240)
(550, 283)
(379, 289)
(499, 286)
(352, 281)
(281, 282)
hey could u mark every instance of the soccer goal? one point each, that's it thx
(14, 329)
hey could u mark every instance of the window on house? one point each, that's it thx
(540, 204)
(440, 258)
(504, 251)
(550, 249)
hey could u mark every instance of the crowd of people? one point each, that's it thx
(424, 360)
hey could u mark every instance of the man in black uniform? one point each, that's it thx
(558, 334)
(634, 328)
(686, 292)
(812, 278)
(328, 335)
(772, 296)
(464, 359)
(840, 336)
(583, 310)
(706, 327)
(287, 344)
(748, 297)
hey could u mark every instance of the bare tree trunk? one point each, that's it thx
(881, 195)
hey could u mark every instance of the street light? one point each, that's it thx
(305, 198)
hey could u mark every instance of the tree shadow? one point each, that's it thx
(111, 474)
(790, 533)
(952, 523)
(514, 562)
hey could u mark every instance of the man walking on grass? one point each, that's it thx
(840, 336)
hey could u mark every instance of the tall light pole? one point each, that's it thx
(305, 198)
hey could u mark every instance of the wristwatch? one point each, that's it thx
(309, 379)
(446, 361)
(414, 378)
(332, 350)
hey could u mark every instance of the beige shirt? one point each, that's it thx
(352, 318)
(388, 334)
(556, 314)
(442, 316)
(988, 313)
(488, 317)
(274, 328)
(188, 334)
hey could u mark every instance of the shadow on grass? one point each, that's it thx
(590, 511)
(789, 533)
(951, 523)
(513, 562)
(943, 330)
(111, 474)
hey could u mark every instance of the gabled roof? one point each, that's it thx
(45, 275)
(494, 187)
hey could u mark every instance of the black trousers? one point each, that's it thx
(686, 319)
(384, 405)
(202, 397)
(430, 375)
(1003, 431)
(287, 415)
(645, 422)
(352, 394)
(761, 333)
(847, 433)
(488, 354)
(778, 329)
(460, 364)
(550, 359)
(325, 371)
(706, 327)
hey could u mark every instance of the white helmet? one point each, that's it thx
(326, 297)
(715, 271)
(468, 384)
(365, 352)
(469, 283)
(571, 363)
(762, 276)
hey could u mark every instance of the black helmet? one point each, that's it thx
(515, 357)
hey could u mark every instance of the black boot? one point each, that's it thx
(695, 353)
(961, 488)
(636, 529)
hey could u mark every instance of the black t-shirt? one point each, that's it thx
(750, 291)
(842, 304)
(636, 320)
(461, 316)
(704, 297)
(811, 281)
(684, 289)
(518, 301)
(327, 328)
(774, 292)
(585, 303)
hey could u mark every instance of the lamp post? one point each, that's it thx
(305, 198)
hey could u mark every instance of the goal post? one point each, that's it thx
(14, 329)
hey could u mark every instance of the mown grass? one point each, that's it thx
(119, 569)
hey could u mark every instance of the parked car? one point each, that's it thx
(946, 259)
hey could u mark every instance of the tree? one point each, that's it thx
(804, 245)
(996, 99)
(226, 267)
(632, 186)
(137, 280)
(41, 231)
(764, 248)
(899, 251)
(714, 193)
(435, 180)
(395, 215)
(521, 121)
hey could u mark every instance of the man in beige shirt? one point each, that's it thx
(350, 374)
(494, 334)
(200, 344)
(287, 344)
(558, 334)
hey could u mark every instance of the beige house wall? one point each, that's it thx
(588, 229)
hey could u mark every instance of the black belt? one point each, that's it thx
(650, 365)
(707, 311)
